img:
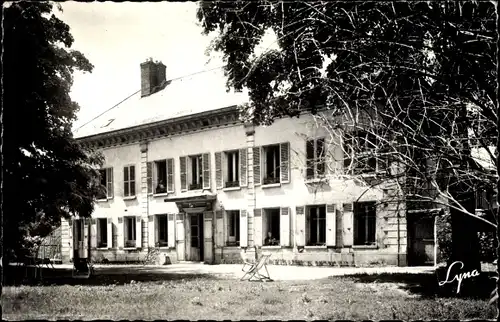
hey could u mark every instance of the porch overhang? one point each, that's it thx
(194, 204)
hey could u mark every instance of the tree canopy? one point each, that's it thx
(46, 174)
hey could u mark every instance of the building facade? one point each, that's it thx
(200, 185)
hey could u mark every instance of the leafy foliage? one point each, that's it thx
(47, 175)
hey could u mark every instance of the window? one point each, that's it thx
(233, 227)
(106, 178)
(316, 226)
(161, 176)
(361, 152)
(364, 223)
(129, 181)
(162, 227)
(271, 156)
(102, 233)
(232, 175)
(315, 156)
(129, 231)
(271, 225)
(196, 181)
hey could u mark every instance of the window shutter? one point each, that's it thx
(109, 240)
(120, 238)
(171, 231)
(151, 232)
(257, 177)
(183, 173)
(219, 227)
(218, 170)
(347, 151)
(285, 227)
(348, 229)
(149, 175)
(330, 225)
(243, 168)
(170, 175)
(132, 180)
(285, 162)
(206, 170)
(309, 159)
(126, 186)
(243, 228)
(109, 183)
(300, 219)
(70, 241)
(320, 156)
(138, 232)
(86, 230)
(93, 234)
(257, 226)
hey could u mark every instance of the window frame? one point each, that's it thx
(156, 176)
(128, 242)
(191, 185)
(266, 179)
(100, 243)
(318, 159)
(108, 183)
(367, 214)
(159, 242)
(266, 223)
(361, 151)
(233, 240)
(130, 182)
(309, 224)
(236, 164)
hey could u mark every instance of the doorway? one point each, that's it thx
(195, 247)
(421, 239)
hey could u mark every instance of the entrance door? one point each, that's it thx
(180, 238)
(196, 249)
(208, 238)
(421, 240)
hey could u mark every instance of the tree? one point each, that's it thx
(46, 174)
(419, 77)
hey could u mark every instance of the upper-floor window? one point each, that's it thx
(160, 176)
(360, 152)
(364, 223)
(315, 158)
(196, 173)
(106, 181)
(129, 181)
(232, 173)
(271, 157)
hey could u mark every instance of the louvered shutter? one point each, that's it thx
(120, 241)
(330, 225)
(300, 221)
(243, 168)
(257, 226)
(70, 242)
(243, 228)
(206, 170)
(151, 231)
(183, 173)
(109, 236)
(285, 227)
(219, 228)
(149, 175)
(138, 232)
(171, 230)
(257, 176)
(109, 182)
(170, 176)
(218, 170)
(93, 234)
(309, 159)
(348, 229)
(347, 153)
(86, 230)
(285, 162)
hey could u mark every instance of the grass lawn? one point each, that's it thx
(194, 298)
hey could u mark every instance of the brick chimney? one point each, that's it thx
(153, 77)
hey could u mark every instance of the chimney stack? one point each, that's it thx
(153, 77)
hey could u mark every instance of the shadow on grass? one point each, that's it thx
(103, 276)
(427, 285)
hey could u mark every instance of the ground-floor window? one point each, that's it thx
(102, 232)
(316, 225)
(271, 227)
(364, 223)
(130, 232)
(162, 230)
(233, 227)
(78, 229)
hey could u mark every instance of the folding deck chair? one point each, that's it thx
(253, 273)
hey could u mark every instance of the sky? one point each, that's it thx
(117, 37)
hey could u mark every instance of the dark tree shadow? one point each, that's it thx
(103, 276)
(427, 285)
